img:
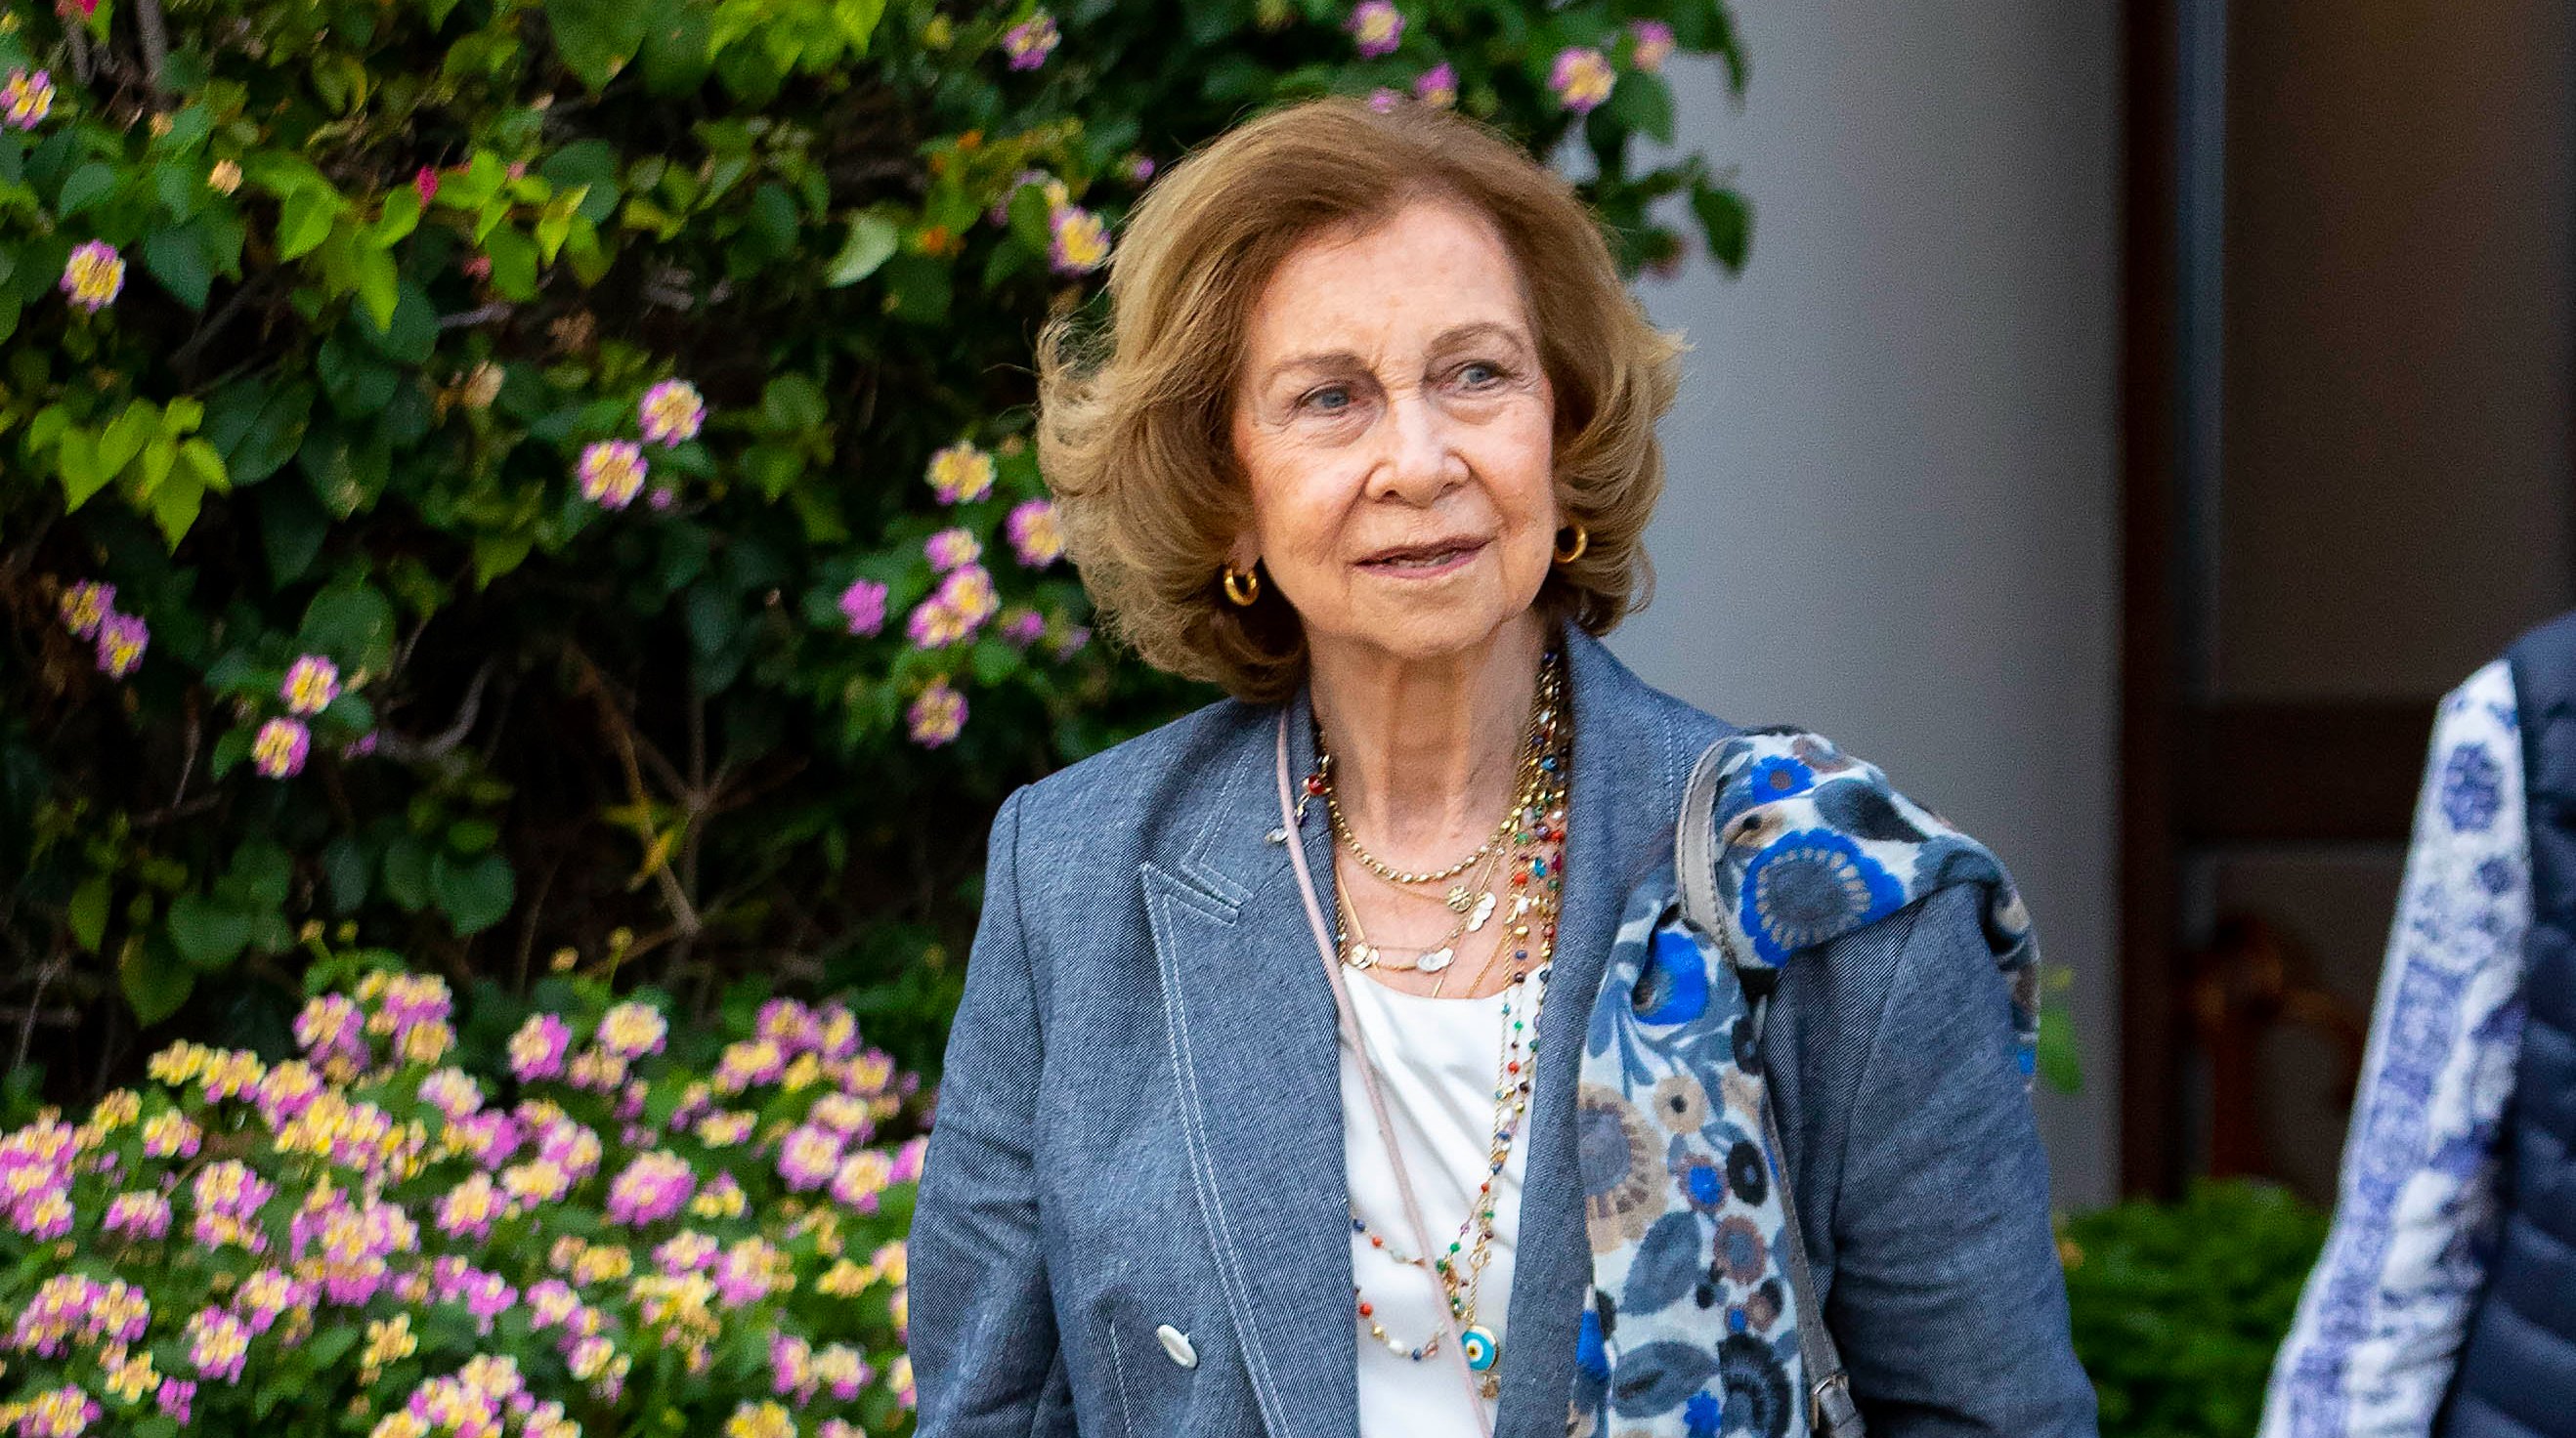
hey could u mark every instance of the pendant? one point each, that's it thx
(1484, 910)
(1434, 961)
(1478, 1347)
(1363, 956)
(1461, 898)
(1492, 1386)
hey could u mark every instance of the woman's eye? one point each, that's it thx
(1468, 369)
(1316, 399)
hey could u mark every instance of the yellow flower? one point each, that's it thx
(225, 177)
(768, 1420)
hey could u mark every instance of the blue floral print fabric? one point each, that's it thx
(1691, 1327)
(2377, 1338)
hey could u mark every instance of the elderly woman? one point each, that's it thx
(1369, 441)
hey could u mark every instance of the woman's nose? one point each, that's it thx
(1415, 465)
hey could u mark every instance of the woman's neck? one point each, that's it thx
(1426, 752)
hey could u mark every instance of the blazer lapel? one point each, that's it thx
(1249, 1016)
(1624, 792)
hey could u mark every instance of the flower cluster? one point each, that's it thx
(89, 611)
(633, 1199)
(25, 99)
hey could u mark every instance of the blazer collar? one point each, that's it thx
(1249, 1020)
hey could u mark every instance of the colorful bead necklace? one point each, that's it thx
(1533, 835)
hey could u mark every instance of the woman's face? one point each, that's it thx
(1397, 429)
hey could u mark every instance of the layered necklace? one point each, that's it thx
(1517, 873)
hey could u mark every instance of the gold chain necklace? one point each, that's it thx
(1528, 780)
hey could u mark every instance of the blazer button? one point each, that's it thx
(1177, 1344)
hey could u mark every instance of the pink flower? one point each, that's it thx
(950, 548)
(537, 1049)
(279, 748)
(968, 593)
(1037, 534)
(1654, 44)
(1377, 26)
(218, 1344)
(138, 1215)
(651, 1189)
(960, 473)
(661, 499)
(1581, 78)
(671, 412)
(174, 1398)
(1142, 170)
(26, 99)
(611, 471)
(864, 605)
(1437, 85)
(1031, 41)
(808, 1156)
(424, 182)
(86, 606)
(122, 638)
(1024, 628)
(312, 682)
(934, 624)
(937, 715)
(633, 1029)
(1079, 240)
(1383, 99)
(93, 275)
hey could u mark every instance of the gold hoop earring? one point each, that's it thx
(1242, 586)
(1582, 542)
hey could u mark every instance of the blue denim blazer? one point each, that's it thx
(1132, 1219)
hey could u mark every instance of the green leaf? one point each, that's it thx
(514, 263)
(353, 622)
(791, 405)
(476, 893)
(177, 258)
(377, 280)
(348, 869)
(597, 37)
(175, 504)
(126, 435)
(206, 933)
(87, 186)
(87, 912)
(154, 984)
(401, 215)
(406, 870)
(257, 429)
(205, 462)
(304, 220)
(76, 459)
(1727, 218)
(773, 468)
(871, 242)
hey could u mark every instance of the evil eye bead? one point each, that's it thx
(1477, 1346)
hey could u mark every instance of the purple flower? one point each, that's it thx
(950, 548)
(279, 748)
(93, 275)
(937, 715)
(122, 638)
(1383, 99)
(670, 412)
(537, 1049)
(1654, 44)
(1377, 26)
(1437, 85)
(1031, 41)
(1024, 628)
(312, 682)
(651, 1189)
(864, 605)
(611, 470)
(1080, 240)
(1581, 78)
(86, 606)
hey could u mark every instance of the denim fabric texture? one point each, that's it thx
(1131, 1220)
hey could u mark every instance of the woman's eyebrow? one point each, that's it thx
(1448, 338)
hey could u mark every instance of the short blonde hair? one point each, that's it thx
(1133, 430)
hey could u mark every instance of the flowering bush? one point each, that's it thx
(596, 1225)
(535, 473)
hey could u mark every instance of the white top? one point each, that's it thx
(1436, 1060)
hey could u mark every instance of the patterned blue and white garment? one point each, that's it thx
(1683, 1200)
(2380, 1325)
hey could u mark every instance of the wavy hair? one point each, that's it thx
(1133, 414)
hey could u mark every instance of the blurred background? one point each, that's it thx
(2140, 416)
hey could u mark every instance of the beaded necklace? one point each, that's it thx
(1534, 832)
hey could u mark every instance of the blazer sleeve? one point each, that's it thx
(982, 1332)
(1947, 1296)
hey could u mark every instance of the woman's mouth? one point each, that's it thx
(1423, 561)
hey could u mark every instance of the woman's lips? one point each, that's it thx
(1426, 563)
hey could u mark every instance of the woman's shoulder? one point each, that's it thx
(1127, 784)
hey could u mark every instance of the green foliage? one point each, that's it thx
(2178, 1308)
(337, 333)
